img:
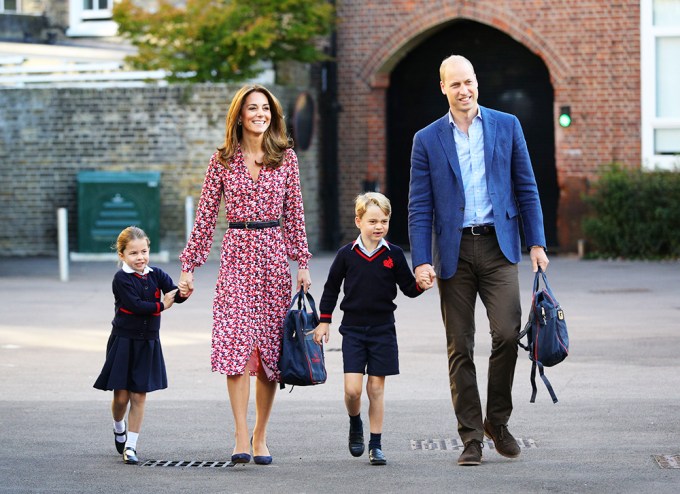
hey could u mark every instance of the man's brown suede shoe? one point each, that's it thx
(472, 454)
(506, 445)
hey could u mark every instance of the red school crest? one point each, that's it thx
(388, 263)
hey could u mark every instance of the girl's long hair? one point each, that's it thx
(276, 139)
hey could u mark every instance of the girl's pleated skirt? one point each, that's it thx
(133, 365)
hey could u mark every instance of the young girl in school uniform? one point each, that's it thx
(134, 362)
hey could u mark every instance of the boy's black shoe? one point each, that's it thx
(356, 443)
(376, 456)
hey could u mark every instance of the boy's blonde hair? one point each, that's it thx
(364, 200)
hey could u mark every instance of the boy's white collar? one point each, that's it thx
(363, 248)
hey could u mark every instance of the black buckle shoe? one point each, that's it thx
(130, 456)
(376, 456)
(356, 443)
(120, 446)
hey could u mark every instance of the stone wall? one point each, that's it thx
(47, 135)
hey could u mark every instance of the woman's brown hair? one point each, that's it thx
(276, 139)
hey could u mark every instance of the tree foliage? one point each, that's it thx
(222, 40)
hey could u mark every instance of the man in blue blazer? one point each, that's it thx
(471, 185)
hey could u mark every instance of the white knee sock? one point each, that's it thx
(119, 426)
(132, 440)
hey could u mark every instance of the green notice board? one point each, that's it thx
(110, 201)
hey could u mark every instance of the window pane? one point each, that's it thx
(667, 141)
(667, 12)
(667, 77)
(103, 4)
(87, 4)
(11, 5)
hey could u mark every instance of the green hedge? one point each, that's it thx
(635, 214)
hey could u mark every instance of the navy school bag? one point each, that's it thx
(546, 333)
(301, 362)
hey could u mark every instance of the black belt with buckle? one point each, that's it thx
(479, 230)
(253, 225)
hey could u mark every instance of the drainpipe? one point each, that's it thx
(330, 108)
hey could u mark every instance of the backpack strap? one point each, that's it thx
(524, 332)
(312, 306)
(534, 390)
(299, 297)
(545, 381)
(547, 285)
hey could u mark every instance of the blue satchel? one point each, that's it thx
(301, 362)
(546, 332)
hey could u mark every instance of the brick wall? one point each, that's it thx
(48, 135)
(591, 49)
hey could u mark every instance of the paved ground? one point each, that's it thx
(619, 394)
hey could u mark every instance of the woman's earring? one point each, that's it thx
(238, 123)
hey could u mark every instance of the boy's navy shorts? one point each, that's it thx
(370, 350)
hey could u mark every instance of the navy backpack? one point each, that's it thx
(302, 361)
(546, 332)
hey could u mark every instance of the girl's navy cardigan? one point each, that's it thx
(138, 303)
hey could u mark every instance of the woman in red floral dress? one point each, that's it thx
(256, 172)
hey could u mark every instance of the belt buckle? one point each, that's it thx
(472, 230)
(246, 224)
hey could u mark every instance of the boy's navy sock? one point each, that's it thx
(374, 442)
(355, 423)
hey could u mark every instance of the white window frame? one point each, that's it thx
(648, 70)
(95, 23)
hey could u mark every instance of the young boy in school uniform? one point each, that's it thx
(371, 269)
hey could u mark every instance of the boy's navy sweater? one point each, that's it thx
(138, 303)
(370, 285)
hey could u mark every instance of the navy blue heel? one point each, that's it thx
(261, 460)
(240, 458)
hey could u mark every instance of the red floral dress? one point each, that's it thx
(253, 289)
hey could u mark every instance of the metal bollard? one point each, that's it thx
(62, 228)
(188, 215)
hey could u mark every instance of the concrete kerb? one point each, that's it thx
(618, 393)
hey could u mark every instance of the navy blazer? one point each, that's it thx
(437, 199)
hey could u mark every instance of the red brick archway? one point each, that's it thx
(600, 59)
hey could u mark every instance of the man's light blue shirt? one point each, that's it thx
(362, 247)
(470, 150)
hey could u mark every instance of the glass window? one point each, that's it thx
(9, 6)
(667, 141)
(666, 13)
(90, 18)
(97, 5)
(660, 73)
(667, 76)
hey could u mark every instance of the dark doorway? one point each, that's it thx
(511, 79)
